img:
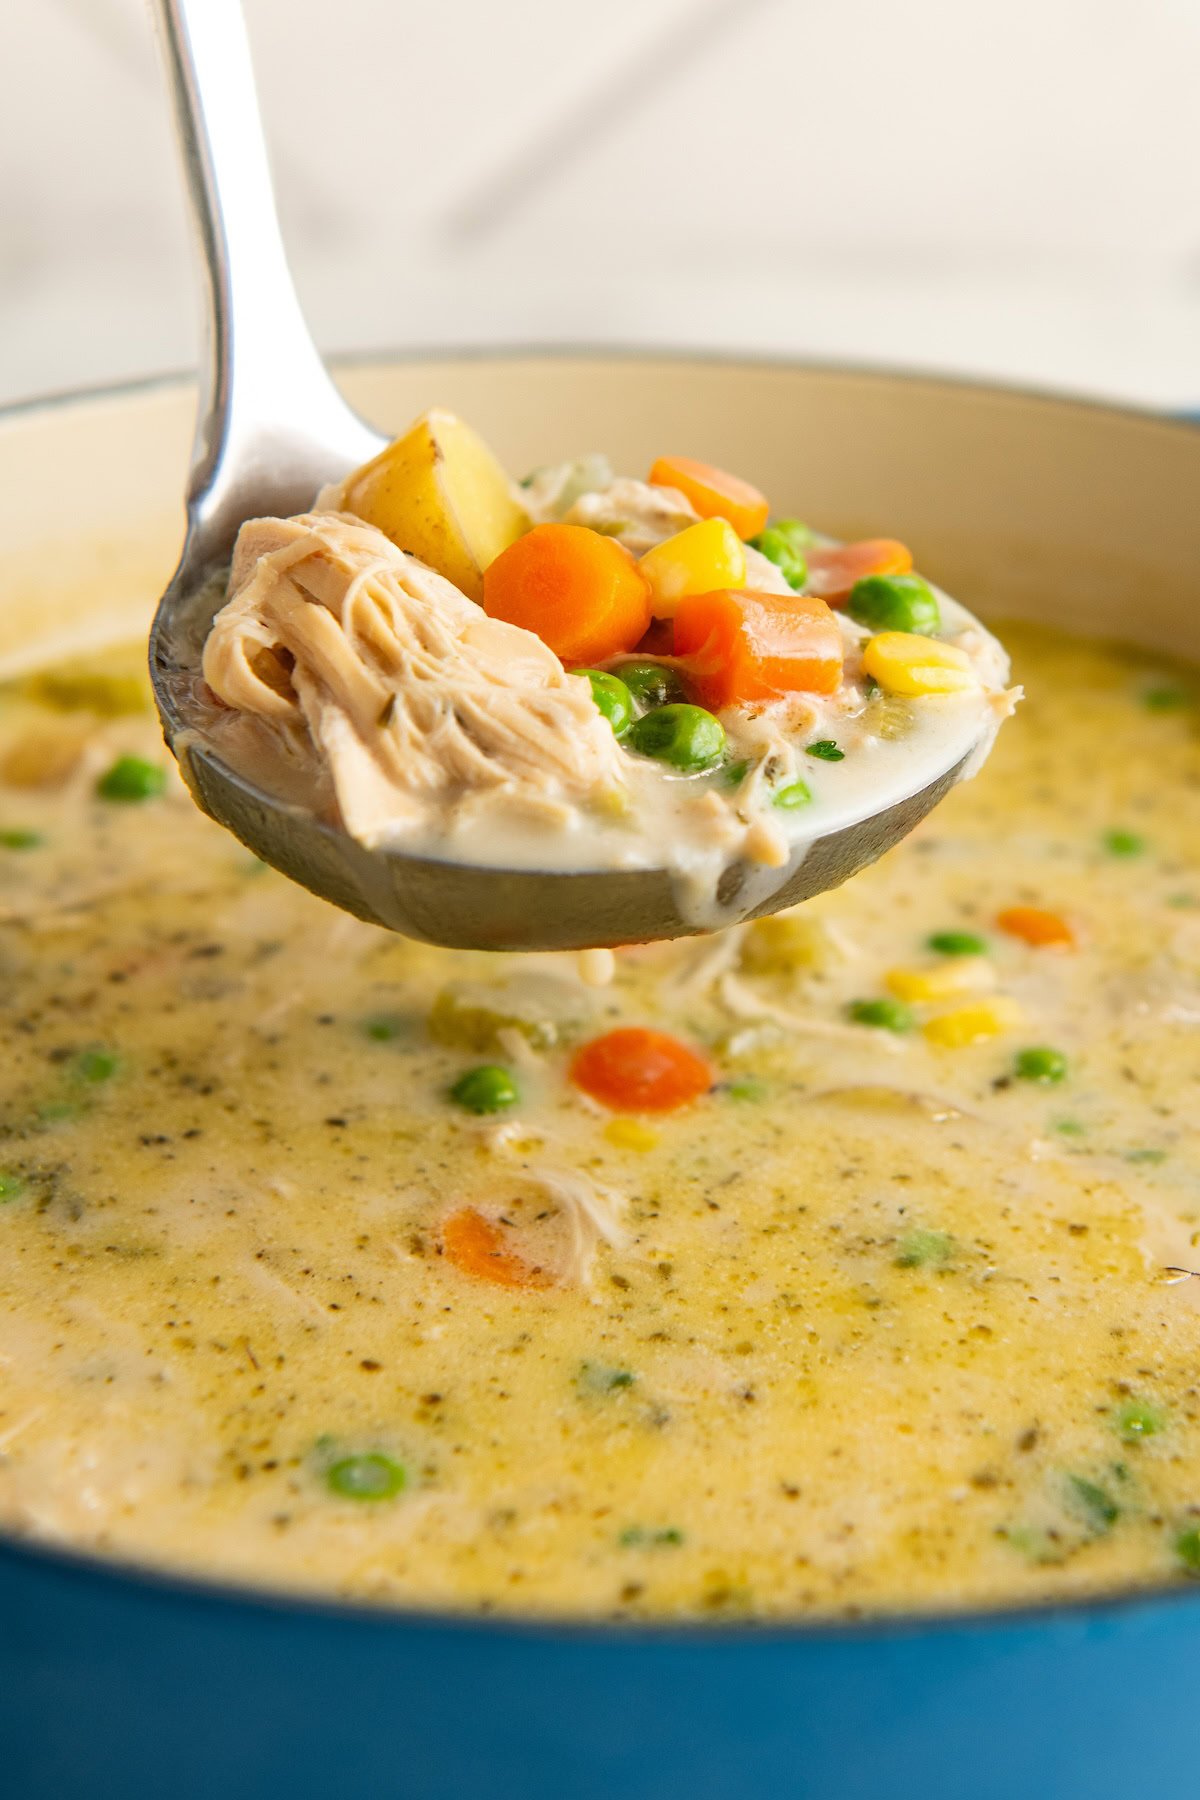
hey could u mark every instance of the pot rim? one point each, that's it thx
(1184, 420)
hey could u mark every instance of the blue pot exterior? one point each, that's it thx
(120, 1688)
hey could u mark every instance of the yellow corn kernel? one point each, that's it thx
(697, 560)
(972, 1024)
(630, 1134)
(943, 981)
(903, 662)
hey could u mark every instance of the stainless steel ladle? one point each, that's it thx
(272, 429)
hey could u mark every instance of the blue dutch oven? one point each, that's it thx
(122, 1684)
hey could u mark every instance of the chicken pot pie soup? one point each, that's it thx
(842, 1263)
(586, 671)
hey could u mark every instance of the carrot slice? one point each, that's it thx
(583, 594)
(714, 493)
(749, 646)
(635, 1069)
(476, 1247)
(833, 571)
(1043, 929)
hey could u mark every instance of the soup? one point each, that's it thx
(583, 671)
(861, 1280)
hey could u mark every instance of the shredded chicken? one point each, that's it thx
(593, 1213)
(640, 516)
(407, 690)
(636, 514)
(702, 967)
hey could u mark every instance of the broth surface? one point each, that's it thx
(880, 1322)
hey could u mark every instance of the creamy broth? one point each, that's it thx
(884, 1320)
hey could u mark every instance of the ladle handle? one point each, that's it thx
(266, 402)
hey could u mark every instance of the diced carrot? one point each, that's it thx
(634, 1069)
(475, 1246)
(1043, 929)
(582, 593)
(714, 493)
(750, 646)
(833, 571)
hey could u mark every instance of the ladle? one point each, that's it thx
(272, 429)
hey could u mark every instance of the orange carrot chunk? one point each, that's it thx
(748, 646)
(476, 1247)
(832, 572)
(635, 1069)
(1035, 925)
(714, 493)
(583, 594)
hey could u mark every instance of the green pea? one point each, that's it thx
(485, 1090)
(687, 737)
(779, 548)
(12, 1186)
(924, 1249)
(885, 1015)
(17, 839)
(1093, 1503)
(796, 793)
(1187, 1549)
(385, 1028)
(895, 603)
(799, 537)
(957, 943)
(734, 773)
(1041, 1064)
(612, 698)
(1137, 1419)
(132, 778)
(825, 750)
(368, 1477)
(1124, 843)
(651, 684)
(95, 1065)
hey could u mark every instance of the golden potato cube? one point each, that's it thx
(439, 493)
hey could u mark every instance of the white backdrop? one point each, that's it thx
(984, 186)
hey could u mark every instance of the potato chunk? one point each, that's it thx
(439, 493)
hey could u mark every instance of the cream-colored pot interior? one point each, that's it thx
(1021, 505)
